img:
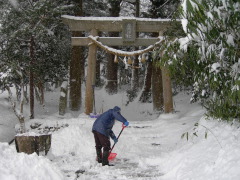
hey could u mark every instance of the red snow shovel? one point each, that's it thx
(113, 155)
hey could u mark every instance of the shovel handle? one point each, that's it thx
(123, 126)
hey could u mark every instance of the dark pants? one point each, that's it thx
(101, 141)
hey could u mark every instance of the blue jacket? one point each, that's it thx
(105, 122)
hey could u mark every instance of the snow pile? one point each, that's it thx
(75, 140)
(20, 166)
(213, 157)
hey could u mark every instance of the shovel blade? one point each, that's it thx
(112, 156)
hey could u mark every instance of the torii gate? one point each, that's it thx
(128, 26)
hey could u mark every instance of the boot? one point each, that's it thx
(99, 155)
(105, 159)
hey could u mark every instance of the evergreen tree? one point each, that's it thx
(34, 41)
(208, 56)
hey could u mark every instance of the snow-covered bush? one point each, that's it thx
(208, 56)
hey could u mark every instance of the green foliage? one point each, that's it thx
(208, 57)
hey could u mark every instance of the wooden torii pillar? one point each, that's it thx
(128, 26)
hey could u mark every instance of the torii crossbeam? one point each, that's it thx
(128, 27)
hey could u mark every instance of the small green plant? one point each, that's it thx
(195, 133)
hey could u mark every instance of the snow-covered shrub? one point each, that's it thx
(208, 56)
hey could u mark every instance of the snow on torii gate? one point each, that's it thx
(128, 26)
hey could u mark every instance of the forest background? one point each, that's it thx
(203, 55)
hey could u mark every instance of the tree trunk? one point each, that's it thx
(75, 76)
(135, 75)
(146, 93)
(112, 85)
(31, 79)
(167, 90)
(157, 88)
(25, 94)
(63, 98)
(40, 91)
(19, 114)
(82, 59)
(137, 5)
(98, 72)
(76, 68)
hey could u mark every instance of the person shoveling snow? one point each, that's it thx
(102, 130)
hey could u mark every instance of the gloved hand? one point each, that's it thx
(126, 123)
(115, 140)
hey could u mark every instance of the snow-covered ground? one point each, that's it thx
(151, 148)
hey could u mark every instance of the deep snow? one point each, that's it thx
(151, 147)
